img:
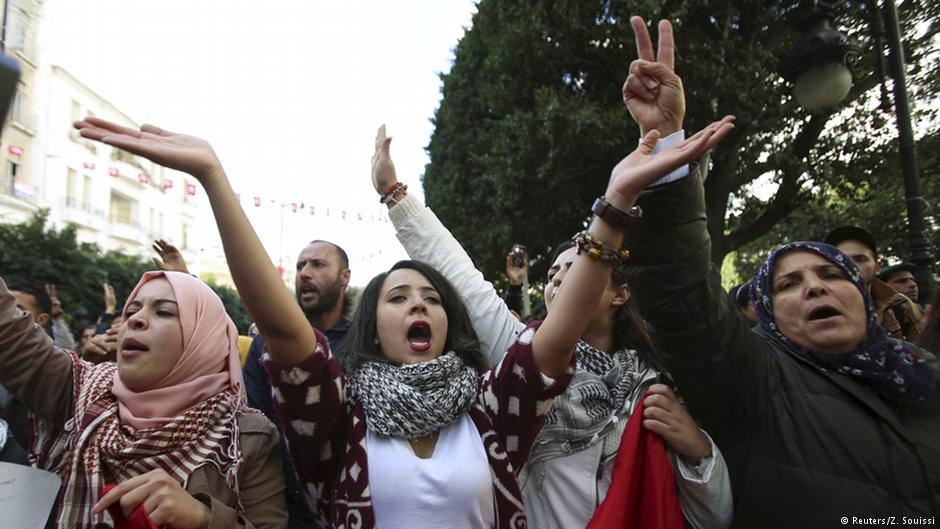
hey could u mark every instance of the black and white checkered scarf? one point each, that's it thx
(414, 400)
(594, 405)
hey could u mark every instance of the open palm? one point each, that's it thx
(177, 151)
(642, 168)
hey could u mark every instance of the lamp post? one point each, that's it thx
(819, 70)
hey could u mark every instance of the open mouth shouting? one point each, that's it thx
(307, 291)
(823, 314)
(131, 347)
(419, 336)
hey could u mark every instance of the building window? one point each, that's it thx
(19, 111)
(9, 177)
(20, 33)
(86, 192)
(70, 187)
(122, 209)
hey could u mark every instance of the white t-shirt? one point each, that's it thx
(453, 488)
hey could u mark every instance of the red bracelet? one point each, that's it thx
(397, 188)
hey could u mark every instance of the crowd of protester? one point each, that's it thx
(638, 394)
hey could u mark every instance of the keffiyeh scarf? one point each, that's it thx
(593, 406)
(894, 369)
(94, 448)
(414, 400)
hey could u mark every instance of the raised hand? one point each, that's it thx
(383, 170)
(102, 347)
(177, 151)
(110, 300)
(641, 168)
(665, 415)
(653, 92)
(516, 273)
(170, 257)
(56, 311)
(166, 502)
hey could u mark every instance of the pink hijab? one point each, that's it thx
(210, 362)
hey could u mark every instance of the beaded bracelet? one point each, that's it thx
(598, 250)
(397, 189)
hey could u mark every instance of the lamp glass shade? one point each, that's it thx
(822, 86)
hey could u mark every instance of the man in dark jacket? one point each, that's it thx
(320, 286)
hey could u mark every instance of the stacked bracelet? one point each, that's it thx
(598, 250)
(397, 189)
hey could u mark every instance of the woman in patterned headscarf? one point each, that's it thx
(811, 300)
(167, 423)
(820, 415)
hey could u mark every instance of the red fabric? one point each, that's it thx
(642, 493)
(138, 519)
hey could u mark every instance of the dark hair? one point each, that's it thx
(929, 339)
(43, 303)
(741, 295)
(361, 343)
(629, 328)
(343, 258)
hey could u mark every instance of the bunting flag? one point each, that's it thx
(191, 189)
(167, 184)
(113, 171)
(144, 178)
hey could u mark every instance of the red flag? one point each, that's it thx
(167, 184)
(113, 171)
(191, 189)
(144, 178)
(257, 202)
(642, 493)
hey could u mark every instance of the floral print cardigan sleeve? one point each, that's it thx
(326, 430)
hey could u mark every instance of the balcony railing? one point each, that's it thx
(74, 203)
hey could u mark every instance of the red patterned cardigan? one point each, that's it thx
(326, 430)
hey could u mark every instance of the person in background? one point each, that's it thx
(896, 313)
(61, 334)
(900, 277)
(741, 295)
(517, 271)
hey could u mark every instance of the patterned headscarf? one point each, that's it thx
(186, 421)
(894, 369)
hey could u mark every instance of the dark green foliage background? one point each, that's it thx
(39, 253)
(531, 122)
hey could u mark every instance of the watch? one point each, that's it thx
(616, 217)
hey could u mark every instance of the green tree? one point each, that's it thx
(39, 253)
(36, 252)
(531, 120)
(867, 195)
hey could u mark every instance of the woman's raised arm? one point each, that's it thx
(287, 333)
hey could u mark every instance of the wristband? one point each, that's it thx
(397, 189)
(615, 217)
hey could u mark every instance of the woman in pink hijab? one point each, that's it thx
(167, 423)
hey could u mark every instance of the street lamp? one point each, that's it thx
(819, 69)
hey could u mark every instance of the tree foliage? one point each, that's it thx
(38, 253)
(532, 121)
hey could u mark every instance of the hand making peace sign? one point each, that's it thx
(653, 92)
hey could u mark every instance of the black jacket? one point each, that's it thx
(805, 446)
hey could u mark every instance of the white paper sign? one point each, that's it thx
(26, 495)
